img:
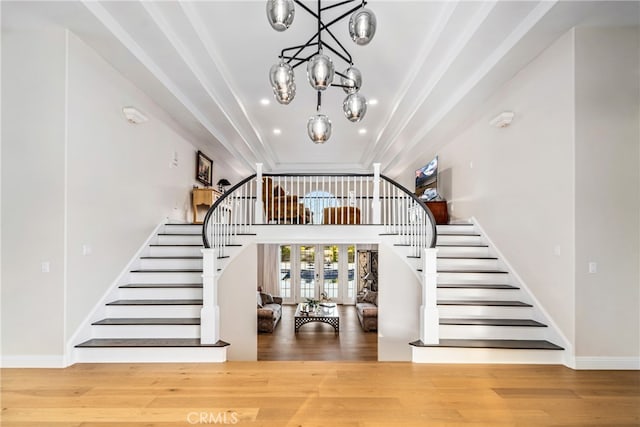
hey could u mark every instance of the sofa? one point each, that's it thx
(282, 208)
(269, 312)
(367, 309)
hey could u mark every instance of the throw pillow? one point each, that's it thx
(259, 300)
(266, 298)
(371, 297)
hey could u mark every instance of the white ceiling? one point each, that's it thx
(430, 67)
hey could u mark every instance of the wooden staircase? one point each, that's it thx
(484, 316)
(156, 317)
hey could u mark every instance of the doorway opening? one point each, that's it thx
(330, 275)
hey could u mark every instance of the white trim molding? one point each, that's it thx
(31, 361)
(608, 363)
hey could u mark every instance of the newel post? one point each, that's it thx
(259, 205)
(210, 313)
(429, 316)
(375, 206)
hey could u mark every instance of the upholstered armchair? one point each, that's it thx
(280, 207)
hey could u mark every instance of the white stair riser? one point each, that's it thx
(175, 250)
(168, 263)
(492, 332)
(487, 278)
(459, 240)
(455, 229)
(146, 331)
(160, 293)
(168, 239)
(485, 294)
(486, 355)
(467, 264)
(151, 355)
(463, 311)
(463, 251)
(164, 277)
(182, 229)
(121, 311)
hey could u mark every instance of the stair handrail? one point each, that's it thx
(420, 232)
(220, 201)
(432, 220)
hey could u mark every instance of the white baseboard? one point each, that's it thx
(608, 363)
(30, 361)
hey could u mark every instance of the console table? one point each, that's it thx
(203, 196)
(439, 211)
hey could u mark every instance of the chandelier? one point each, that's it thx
(320, 67)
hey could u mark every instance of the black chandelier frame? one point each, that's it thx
(345, 55)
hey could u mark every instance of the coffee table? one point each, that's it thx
(325, 313)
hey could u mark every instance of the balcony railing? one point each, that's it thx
(321, 199)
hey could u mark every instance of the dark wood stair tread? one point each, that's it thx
(467, 257)
(485, 303)
(156, 302)
(503, 344)
(469, 245)
(167, 270)
(147, 342)
(149, 321)
(492, 322)
(174, 245)
(476, 286)
(162, 285)
(474, 271)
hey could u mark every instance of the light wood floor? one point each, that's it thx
(363, 394)
(318, 341)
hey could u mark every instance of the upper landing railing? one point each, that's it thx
(356, 199)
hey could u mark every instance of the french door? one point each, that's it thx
(314, 271)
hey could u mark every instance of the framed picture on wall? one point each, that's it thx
(204, 169)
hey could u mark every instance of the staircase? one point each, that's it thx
(484, 317)
(156, 315)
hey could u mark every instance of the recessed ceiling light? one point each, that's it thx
(373, 101)
(362, 131)
(265, 101)
(277, 131)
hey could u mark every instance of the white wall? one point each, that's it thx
(75, 175)
(121, 184)
(33, 210)
(518, 181)
(237, 300)
(607, 192)
(399, 298)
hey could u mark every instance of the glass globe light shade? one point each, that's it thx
(354, 81)
(280, 14)
(355, 107)
(281, 76)
(362, 26)
(285, 96)
(319, 128)
(320, 71)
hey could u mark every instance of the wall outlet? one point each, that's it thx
(46, 266)
(556, 250)
(86, 249)
(593, 267)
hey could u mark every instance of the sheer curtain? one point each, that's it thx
(268, 268)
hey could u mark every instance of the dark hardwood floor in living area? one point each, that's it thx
(318, 341)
